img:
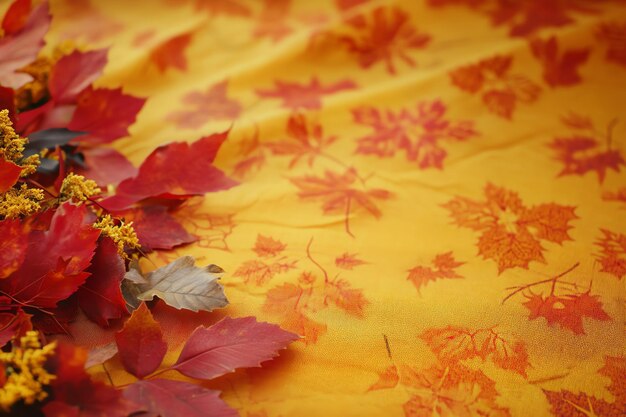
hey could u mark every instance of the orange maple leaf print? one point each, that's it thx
(341, 193)
(614, 34)
(348, 261)
(298, 96)
(618, 195)
(612, 253)
(500, 90)
(202, 106)
(587, 149)
(559, 68)
(266, 246)
(511, 233)
(259, 272)
(234, 8)
(171, 53)
(389, 378)
(385, 34)
(419, 132)
(271, 20)
(444, 266)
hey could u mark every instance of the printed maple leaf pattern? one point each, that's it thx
(618, 195)
(419, 132)
(295, 303)
(259, 272)
(612, 255)
(171, 53)
(203, 106)
(233, 8)
(511, 233)
(588, 149)
(560, 68)
(384, 35)
(348, 261)
(443, 267)
(253, 152)
(614, 35)
(211, 229)
(566, 303)
(499, 90)
(569, 404)
(526, 17)
(297, 96)
(341, 194)
(271, 21)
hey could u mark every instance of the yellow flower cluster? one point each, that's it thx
(26, 376)
(12, 146)
(77, 188)
(18, 202)
(123, 235)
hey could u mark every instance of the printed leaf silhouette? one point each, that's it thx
(444, 268)
(567, 404)
(348, 261)
(345, 5)
(174, 170)
(582, 154)
(55, 261)
(271, 21)
(140, 343)
(612, 253)
(258, 272)
(306, 140)
(9, 174)
(384, 35)
(212, 104)
(226, 7)
(511, 233)
(105, 113)
(452, 344)
(230, 344)
(567, 311)
(100, 297)
(266, 246)
(419, 133)
(156, 228)
(20, 47)
(559, 69)
(340, 193)
(167, 398)
(182, 285)
(349, 299)
(389, 378)
(614, 34)
(298, 96)
(615, 369)
(619, 195)
(14, 325)
(13, 245)
(75, 72)
(171, 53)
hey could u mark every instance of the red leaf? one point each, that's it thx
(140, 343)
(105, 113)
(166, 398)
(55, 262)
(7, 101)
(175, 170)
(302, 96)
(444, 268)
(16, 16)
(171, 53)
(14, 326)
(106, 166)
(348, 261)
(21, 48)
(230, 344)
(75, 72)
(9, 174)
(559, 69)
(212, 104)
(101, 296)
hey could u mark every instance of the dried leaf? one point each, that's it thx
(100, 354)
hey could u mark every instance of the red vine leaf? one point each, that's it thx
(297, 96)
(140, 343)
(612, 253)
(156, 228)
(444, 268)
(559, 69)
(348, 261)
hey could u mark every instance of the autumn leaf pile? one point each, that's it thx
(75, 218)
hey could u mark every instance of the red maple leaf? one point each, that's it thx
(13, 245)
(297, 96)
(100, 297)
(140, 343)
(559, 69)
(452, 344)
(9, 174)
(340, 193)
(348, 261)
(171, 53)
(444, 268)
(418, 133)
(612, 253)
(212, 104)
(383, 35)
(174, 171)
(105, 166)
(75, 72)
(613, 34)
(511, 233)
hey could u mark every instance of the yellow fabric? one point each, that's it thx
(395, 215)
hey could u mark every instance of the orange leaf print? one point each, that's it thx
(383, 35)
(268, 247)
(612, 253)
(348, 261)
(171, 53)
(452, 344)
(345, 5)
(614, 34)
(212, 104)
(511, 233)
(297, 96)
(271, 20)
(559, 68)
(615, 369)
(444, 268)
(619, 195)
(419, 133)
(211, 229)
(351, 300)
(340, 193)
(567, 404)
(500, 90)
(216, 7)
(387, 379)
